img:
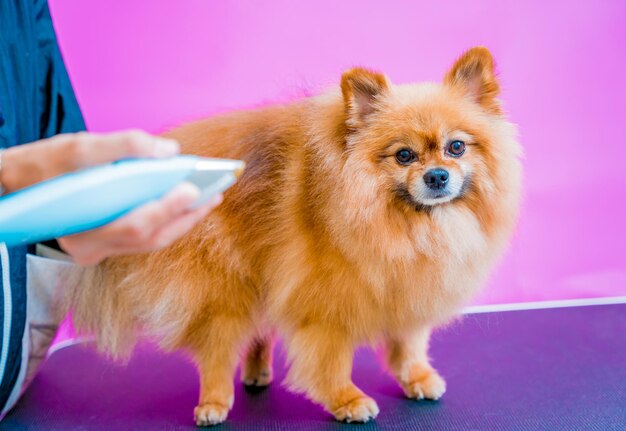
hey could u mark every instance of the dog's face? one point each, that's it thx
(427, 144)
(433, 156)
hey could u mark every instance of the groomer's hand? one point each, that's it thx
(150, 227)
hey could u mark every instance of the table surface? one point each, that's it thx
(549, 369)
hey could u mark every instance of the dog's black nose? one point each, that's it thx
(436, 179)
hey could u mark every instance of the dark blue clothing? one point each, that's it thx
(36, 102)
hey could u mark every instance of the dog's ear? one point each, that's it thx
(361, 89)
(474, 74)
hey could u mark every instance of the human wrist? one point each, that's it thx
(7, 177)
(19, 169)
(1, 184)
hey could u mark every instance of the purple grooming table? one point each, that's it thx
(552, 369)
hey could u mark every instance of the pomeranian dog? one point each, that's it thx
(365, 216)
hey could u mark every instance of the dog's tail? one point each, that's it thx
(99, 307)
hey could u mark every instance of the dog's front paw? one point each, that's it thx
(424, 383)
(360, 409)
(210, 414)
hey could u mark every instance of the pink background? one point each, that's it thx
(562, 64)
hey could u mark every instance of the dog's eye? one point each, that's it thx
(405, 156)
(456, 148)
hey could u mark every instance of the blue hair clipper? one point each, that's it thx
(90, 198)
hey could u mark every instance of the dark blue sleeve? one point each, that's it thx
(59, 110)
(36, 101)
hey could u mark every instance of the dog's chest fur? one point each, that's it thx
(372, 281)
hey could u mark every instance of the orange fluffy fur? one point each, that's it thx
(321, 240)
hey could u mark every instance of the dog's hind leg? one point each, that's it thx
(256, 367)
